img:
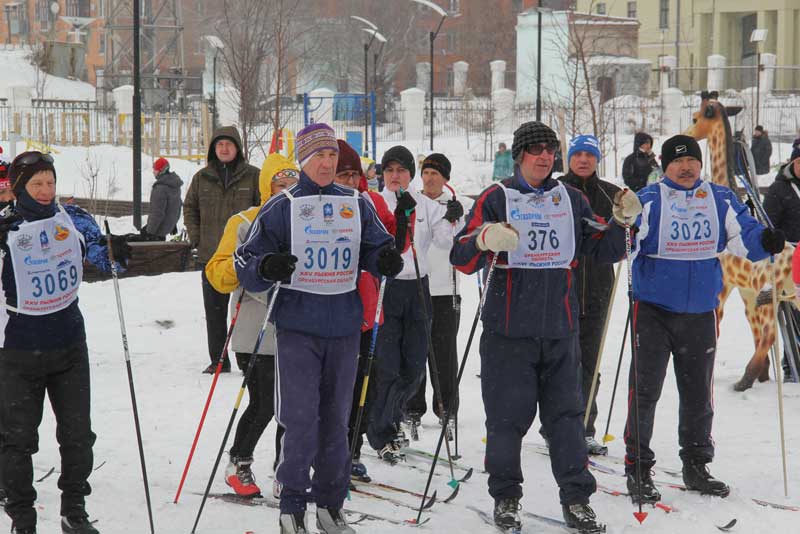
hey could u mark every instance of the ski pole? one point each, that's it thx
(248, 372)
(461, 368)
(456, 309)
(596, 374)
(210, 394)
(365, 383)
(124, 334)
(640, 515)
(432, 359)
(606, 436)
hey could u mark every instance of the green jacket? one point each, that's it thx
(503, 165)
(217, 192)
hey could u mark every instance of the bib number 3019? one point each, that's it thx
(63, 280)
(322, 259)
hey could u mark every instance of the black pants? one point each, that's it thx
(591, 335)
(25, 377)
(692, 339)
(444, 332)
(216, 308)
(519, 375)
(260, 408)
(363, 357)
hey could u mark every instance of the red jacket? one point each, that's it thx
(368, 285)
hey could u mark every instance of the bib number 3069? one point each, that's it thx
(324, 259)
(47, 284)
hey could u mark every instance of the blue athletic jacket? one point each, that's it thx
(317, 315)
(690, 286)
(62, 329)
(532, 302)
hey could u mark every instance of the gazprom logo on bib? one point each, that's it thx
(517, 216)
(30, 261)
(312, 231)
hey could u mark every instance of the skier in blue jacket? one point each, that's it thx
(43, 340)
(314, 237)
(677, 277)
(529, 347)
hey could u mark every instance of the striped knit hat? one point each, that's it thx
(312, 139)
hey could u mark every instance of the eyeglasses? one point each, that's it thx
(537, 149)
(349, 175)
(32, 158)
(289, 174)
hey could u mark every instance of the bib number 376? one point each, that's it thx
(46, 284)
(539, 239)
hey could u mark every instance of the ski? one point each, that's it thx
(727, 526)
(272, 503)
(490, 521)
(409, 451)
(395, 502)
(542, 449)
(616, 493)
(396, 489)
(47, 474)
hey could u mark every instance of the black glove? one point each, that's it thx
(773, 240)
(405, 203)
(390, 263)
(278, 267)
(8, 223)
(454, 211)
(751, 206)
(121, 250)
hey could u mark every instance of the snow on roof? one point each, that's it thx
(618, 60)
(18, 70)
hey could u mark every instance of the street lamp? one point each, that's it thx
(217, 44)
(432, 36)
(758, 36)
(375, 34)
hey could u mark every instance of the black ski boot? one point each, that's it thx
(3, 497)
(413, 422)
(581, 517)
(450, 431)
(595, 448)
(697, 478)
(22, 530)
(78, 524)
(650, 495)
(391, 454)
(506, 514)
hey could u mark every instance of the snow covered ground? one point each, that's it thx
(171, 392)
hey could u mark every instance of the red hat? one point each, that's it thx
(160, 165)
(348, 158)
(5, 181)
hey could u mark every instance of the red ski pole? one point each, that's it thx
(210, 394)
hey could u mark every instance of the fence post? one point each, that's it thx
(157, 134)
(168, 134)
(413, 103)
(498, 67)
(716, 72)
(28, 123)
(180, 134)
(503, 107)
(85, 117)
(73, 117)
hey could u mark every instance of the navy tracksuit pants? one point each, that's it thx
(313, 394)
(517, 374)
(692, 339)
(400, 357)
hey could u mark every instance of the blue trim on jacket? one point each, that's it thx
(317, 315)
(683, 286)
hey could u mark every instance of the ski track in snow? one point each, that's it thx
(171, 392)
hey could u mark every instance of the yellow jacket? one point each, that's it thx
(220, 271)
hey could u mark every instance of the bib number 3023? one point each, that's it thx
(324, 259)
(63, 279)
(539, 239)
(690, 231)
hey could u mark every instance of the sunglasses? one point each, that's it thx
(289, 174)
(32, 158)
(537, 149)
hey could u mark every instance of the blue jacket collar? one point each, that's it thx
(673, 185)
(310, 186)
(520, 183)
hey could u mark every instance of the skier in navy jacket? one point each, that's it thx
(677, 278)
(529, 346)
(314, 237)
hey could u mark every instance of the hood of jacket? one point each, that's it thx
(272, 165)
(641, 138)
(169, 179)
(786, 173)
(225, 131)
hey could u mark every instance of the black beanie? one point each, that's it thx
(19, 173)
(401, 155)
(679, 146)
(532, 133)
(439, 163)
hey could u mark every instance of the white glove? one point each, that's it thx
(626, 206)
(498, 237)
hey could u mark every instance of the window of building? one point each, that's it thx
(455, 6)
(601, 8)
(17, 19)
(452, 41)
(79, 8)
(43, 14)
(632, 10)
(101, 46)
(516, 6)
(663, 14)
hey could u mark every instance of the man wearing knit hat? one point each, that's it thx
(313, 238)
(684, 225)
(165, 202)
(594, 279)
(537, 228)
(224, 187)
(445, 298)
(402, 340)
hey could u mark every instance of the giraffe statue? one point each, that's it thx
(750, 278)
